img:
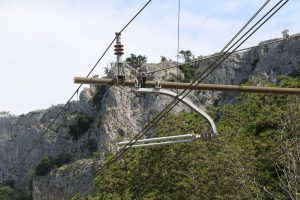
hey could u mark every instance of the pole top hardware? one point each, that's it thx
(168, 140)
(119, 66)
(118, 46)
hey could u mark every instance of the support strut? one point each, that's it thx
(177, 138)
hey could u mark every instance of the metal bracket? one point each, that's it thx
(173, 139)
(157, 85)
(142, 80)
(136, 84)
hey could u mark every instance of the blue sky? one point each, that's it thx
(45, 43)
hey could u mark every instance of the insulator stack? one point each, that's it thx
(118, 46)
(119, 66)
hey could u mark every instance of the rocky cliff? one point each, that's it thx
(269, 60)
(89, 128)
(112, 113)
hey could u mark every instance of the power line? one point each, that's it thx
(135, 16)
(248, 22)
(178, 39)
(76, 91)
(174, 103)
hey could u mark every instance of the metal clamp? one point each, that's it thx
(136, 84)
(157, 85)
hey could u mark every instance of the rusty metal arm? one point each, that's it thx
(175, 85)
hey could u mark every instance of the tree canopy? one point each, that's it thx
(136, 61)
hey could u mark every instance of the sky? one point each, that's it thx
(44, 44)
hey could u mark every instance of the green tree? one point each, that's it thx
(189, 72)
(81, 125)
(163, 59)
(9, 193)
(187, 55)
(136, 61)
(45, 165)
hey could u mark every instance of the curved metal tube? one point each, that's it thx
(187, 102)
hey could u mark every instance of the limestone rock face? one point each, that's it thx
(269, 61)
(63, 181)
(116, 114)
(18, 135)
(28, 133)
(88, 129)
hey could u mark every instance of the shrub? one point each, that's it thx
(175, 78)
(188, 71)
(82, 124)
(290, 82)
(6, 192)
(45, 165)
(254, 63)
(9, 193)
(187, 55)
(4, 113)
(11, 183)
(62, 159)
(100, 91)
(136, 61)
(92, 145)
(295, 73)
(163, 59)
